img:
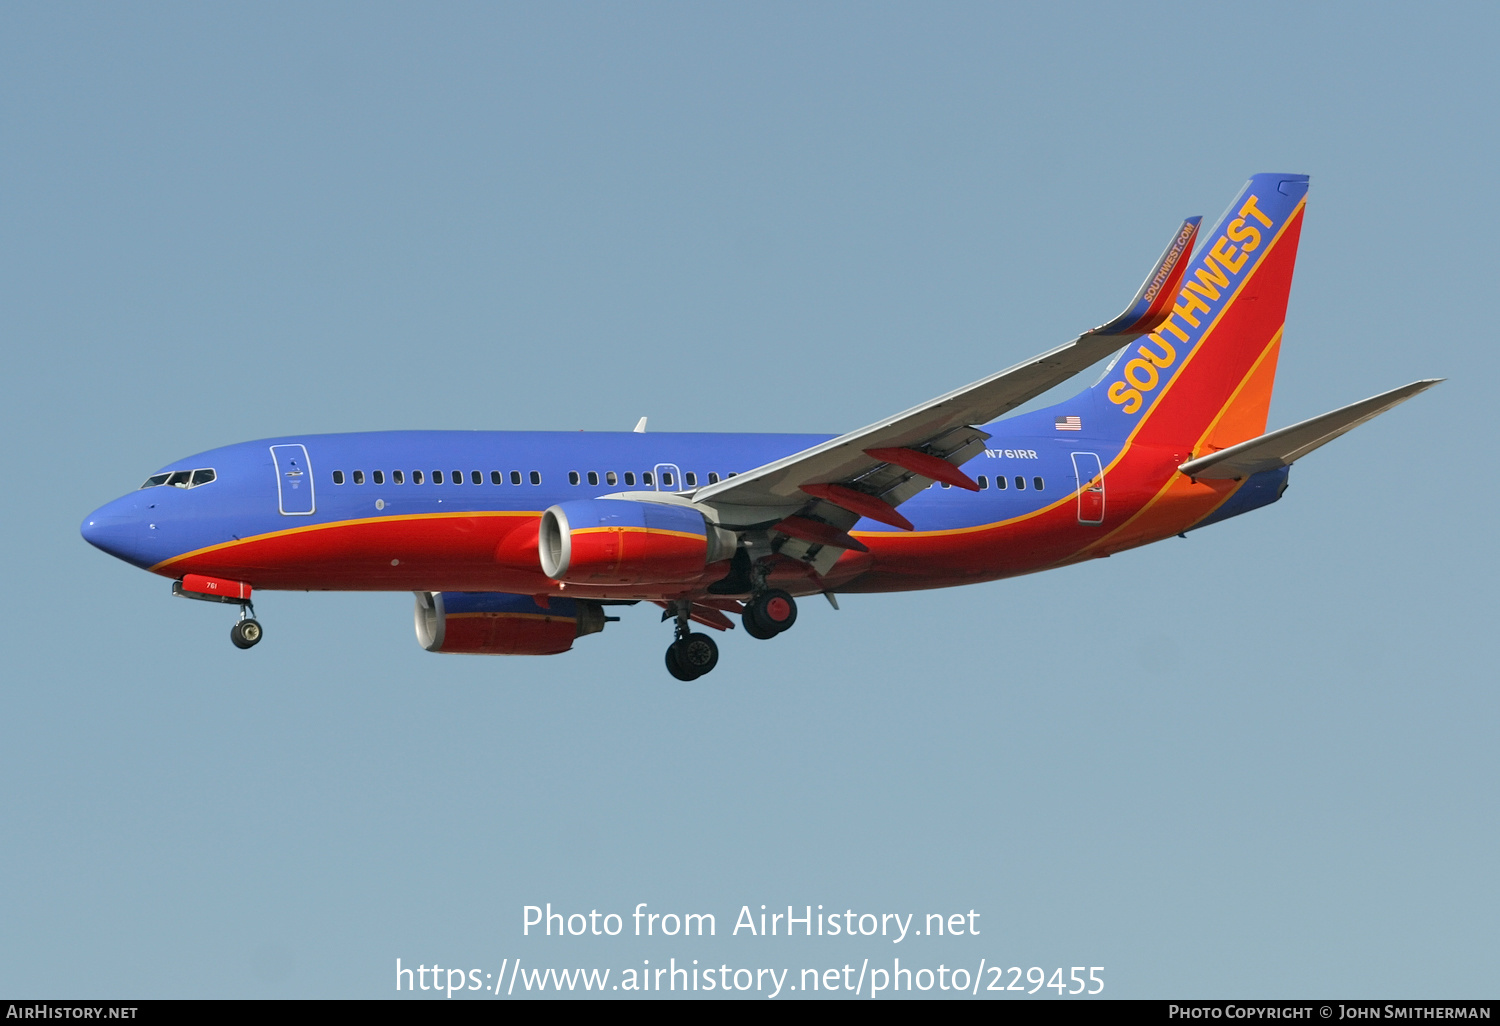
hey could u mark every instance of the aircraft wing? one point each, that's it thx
(870, 471)
(1282, 448)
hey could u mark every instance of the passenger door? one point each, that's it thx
(1090, 487)
(294, 483)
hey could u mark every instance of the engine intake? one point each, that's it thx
(495, 623)
(625, 541)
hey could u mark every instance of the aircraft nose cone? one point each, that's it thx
(113, 530)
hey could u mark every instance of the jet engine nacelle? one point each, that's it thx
(628, 541)
(494, 623)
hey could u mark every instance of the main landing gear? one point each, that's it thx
(769, 613)
(246, 633)
(692, 654)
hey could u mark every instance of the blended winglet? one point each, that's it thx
(1282, 448)
(1153, 303)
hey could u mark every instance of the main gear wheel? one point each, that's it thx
(769, 613)
(691, 656)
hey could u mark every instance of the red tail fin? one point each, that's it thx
(1203, 379)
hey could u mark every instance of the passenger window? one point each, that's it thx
(573, 477)
(536, 477)
(179, 479)
(338, 477)
(947, 485)
(496, 477)
(646, 478)
(593, 477)
(733, 474)
(457, 477)
(611, 478)
(397, 477)
(416, 477)
(476, 477)
(437, 477)
(984, 483)
(1000, 482)
(1020, 483)
(156, 479)
(202, 477)
(359, 477)
(1036, 483)
(691, 478)
(666, 477)
(630, 478)
(515, 477)
(713, 478)
(380, 477)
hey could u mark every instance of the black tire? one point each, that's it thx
(754, 629)
(675, 668)
(772, 610)
(246, 634)
(696, 654)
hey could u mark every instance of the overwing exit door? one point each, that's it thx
(1090, 487)
(668, 478)
(294, 483)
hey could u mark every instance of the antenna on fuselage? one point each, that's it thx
(640, 426)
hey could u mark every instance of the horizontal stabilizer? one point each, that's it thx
(1282, 448)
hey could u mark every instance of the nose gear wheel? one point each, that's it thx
(246, 633)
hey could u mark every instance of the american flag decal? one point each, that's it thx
(1069, 424)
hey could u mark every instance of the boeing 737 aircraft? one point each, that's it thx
(518, 543)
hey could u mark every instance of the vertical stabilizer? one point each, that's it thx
(1203, 378)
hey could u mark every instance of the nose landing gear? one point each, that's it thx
(246, 633)
(769, 613)
(692, 654)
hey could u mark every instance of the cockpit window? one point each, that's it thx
(181, 478)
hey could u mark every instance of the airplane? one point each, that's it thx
(519, 543)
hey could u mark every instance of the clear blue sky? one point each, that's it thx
(1259, 762)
